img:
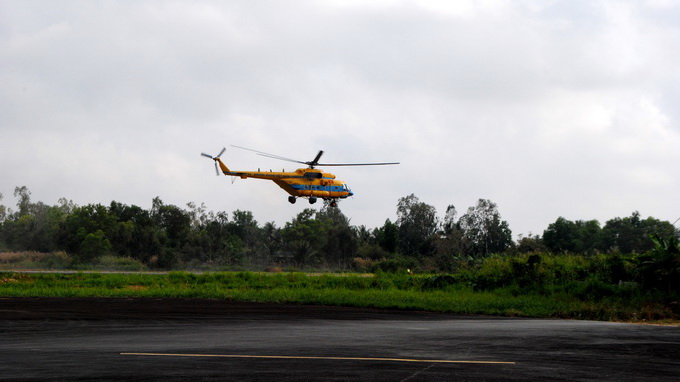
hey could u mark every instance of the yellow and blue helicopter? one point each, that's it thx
(310, 182)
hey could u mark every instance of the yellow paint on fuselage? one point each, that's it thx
(303, 182)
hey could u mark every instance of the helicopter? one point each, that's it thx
(311, 183)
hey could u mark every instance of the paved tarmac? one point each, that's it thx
(44, 339)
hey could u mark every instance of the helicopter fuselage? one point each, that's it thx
(303, 182)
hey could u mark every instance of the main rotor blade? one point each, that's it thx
(314, 162)
(262, 153)
(316, 159)
(357, 164)
(280, 158)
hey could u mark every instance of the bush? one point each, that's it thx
(394, 265)
(168, 259)
(363, 264)
(114, 263)
(94, 245)
(494, 272)
(439, 282)
(56, 260)
(592, 289)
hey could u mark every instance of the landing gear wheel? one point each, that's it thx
(292, 199)
(334, 203)
(312, 200)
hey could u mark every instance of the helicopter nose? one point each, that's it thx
(347, 189)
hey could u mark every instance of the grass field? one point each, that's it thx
(412, 292)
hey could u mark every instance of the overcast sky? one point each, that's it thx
(548, 108)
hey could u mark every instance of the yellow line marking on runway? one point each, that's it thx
(320, 358)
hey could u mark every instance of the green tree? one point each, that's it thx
(303, 227)
(659, 268)
(84, 221)
(246, 229)
(135, 233)
(3, 217)
(304, 237)
(19, 229)
(387, 237)
(304, 254)
(93, 246)
(272, 240)
(18, 232)
(66, 206)
(589, 236)
(450, 242)
(530, 243)
(199, 214)
(369, 241)
(450, 251)
(632, 234)
(34, 227)
(24, 200)
(315, 237)
(483, 230)
(45, 231)
(450, 220)
(3, 210)
(573, 236)
(340, 245)
(244, 225)
(417, 223)
(214, 240)
(174, 222)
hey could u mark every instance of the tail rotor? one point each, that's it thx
(214, 158)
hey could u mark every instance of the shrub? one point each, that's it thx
(439, 282)
(94, 245)
(395, 265)
(494, 272)
(363, 264)
(115, 263)
(592, 289)
(56, 260)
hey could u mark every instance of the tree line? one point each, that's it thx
(167, 236)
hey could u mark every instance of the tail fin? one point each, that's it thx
(221, 164)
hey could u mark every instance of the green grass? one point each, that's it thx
(381, 291)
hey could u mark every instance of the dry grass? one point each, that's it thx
(15, 257)
(34, 260)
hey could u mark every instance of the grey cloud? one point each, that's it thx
(547, 108)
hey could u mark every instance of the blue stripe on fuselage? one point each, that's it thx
(316, 188)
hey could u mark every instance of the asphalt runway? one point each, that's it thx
(159, 339)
